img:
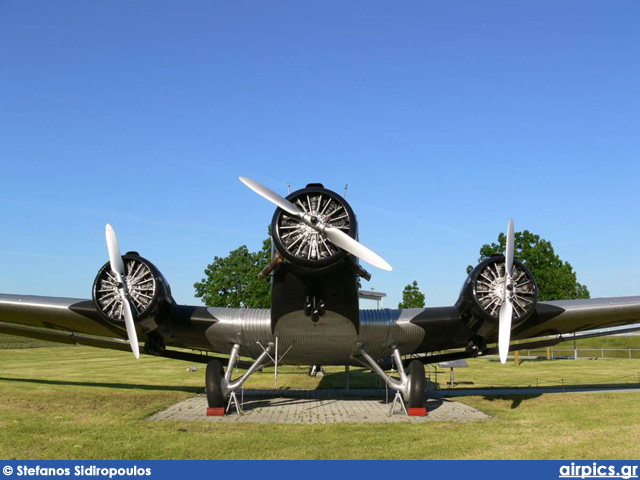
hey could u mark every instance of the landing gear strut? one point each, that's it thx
(410, 389)
(219, 386)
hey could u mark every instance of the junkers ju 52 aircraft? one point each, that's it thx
(314, 317)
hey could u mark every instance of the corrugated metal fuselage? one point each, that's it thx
(332, 340)
(338, 333)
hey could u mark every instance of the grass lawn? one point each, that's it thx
(83, 403)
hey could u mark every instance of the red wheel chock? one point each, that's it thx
(215, 411)
(417, 412)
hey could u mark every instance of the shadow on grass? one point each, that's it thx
(126, 386)
(515, 400)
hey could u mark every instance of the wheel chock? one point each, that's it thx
(417, 412)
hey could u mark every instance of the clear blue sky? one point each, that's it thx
(445, 119)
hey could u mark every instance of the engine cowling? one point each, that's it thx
(300, 244)
(483, 294)
(149, 291)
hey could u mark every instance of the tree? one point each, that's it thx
(232, 281)
(556, 279)
(412, 297)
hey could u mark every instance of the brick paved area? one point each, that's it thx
(318, 406)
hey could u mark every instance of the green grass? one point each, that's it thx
(627, 341)
(78, 402)
(591, 347)
(13, 341)
(486, 373)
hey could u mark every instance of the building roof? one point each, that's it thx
(371, 294)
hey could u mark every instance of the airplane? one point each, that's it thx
(314, 318)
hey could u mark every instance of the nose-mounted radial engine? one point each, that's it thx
(302, 244)
(315, 265)
(315, 273)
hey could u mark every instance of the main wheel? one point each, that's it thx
(213, 382)
(416, 385)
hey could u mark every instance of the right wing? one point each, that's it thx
(70, 314)
(76, 321)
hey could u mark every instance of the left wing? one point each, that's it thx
(568, 316)
(550, 323)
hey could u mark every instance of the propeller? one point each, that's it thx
(333, 234)
(506, 310)
(117, 267)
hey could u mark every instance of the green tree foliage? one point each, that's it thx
(556, 279)
(412, 297)
(232, 281)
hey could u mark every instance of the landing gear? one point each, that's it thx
(213, 379)
(410, 389)
(417, 386)
(316, 371)
(219, 386)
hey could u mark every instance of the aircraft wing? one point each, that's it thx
(76, 321)
(69, 314)
(551, 323)
(568, 316)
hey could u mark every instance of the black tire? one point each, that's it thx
(417, 387)
(213, 384)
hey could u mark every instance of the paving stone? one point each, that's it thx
(318, 406)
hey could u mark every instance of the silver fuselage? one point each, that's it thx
(333, 340)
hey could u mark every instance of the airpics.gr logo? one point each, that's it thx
(7, 470)
(598, 471)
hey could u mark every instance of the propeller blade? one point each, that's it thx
(272, 196)
(117, 267)
(131, 328)
(509, 252)
(506, 310)
(344, 241)
(504, 332)
(336, 236)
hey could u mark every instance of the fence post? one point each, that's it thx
(551, 353)
(629, 352)
(602, 352)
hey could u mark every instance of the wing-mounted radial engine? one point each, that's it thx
(149, 292)
(315, 266)
(499, 293)
(128, 291)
